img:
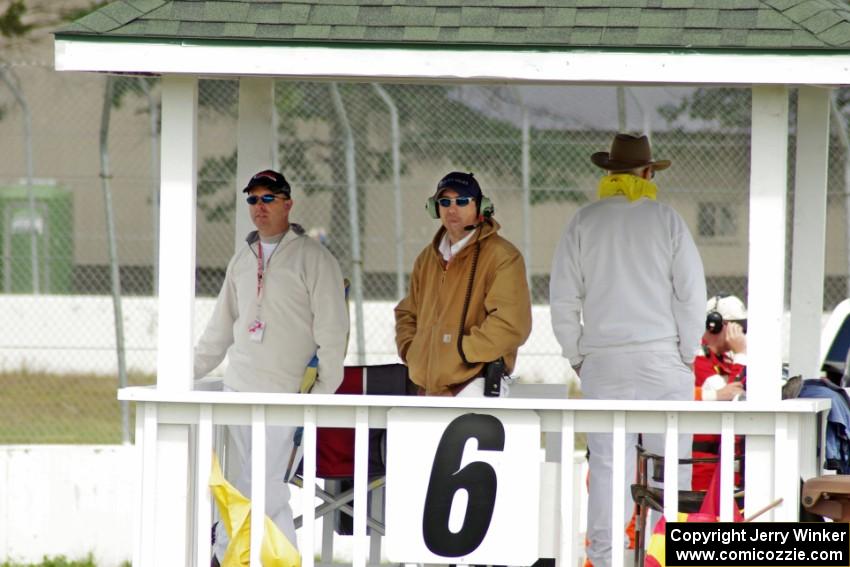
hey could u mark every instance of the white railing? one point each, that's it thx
(175, 438)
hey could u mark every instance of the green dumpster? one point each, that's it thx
(53, 228)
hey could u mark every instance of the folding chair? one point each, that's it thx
(335, 459)
(828, 496)
(648, 497)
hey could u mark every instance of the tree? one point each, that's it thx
(436, 127)
(11, 23)
(729, 108)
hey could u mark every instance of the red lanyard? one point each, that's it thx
(259, 271)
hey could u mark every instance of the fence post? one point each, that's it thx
(354, 221)
(114, 272)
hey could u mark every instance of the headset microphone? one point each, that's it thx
(466, 184)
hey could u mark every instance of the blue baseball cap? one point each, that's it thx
(464, 184)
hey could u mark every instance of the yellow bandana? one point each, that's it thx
(630, 186)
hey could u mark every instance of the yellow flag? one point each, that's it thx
(235, 510)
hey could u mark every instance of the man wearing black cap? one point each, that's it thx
(627, 298)
(468, 303)
(281, 303)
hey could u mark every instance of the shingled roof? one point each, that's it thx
(547, 24)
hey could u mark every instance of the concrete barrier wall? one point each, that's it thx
(64, 334)
(75, 500)
(68, 500)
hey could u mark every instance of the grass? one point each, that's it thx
(60, 561)
(39, 408)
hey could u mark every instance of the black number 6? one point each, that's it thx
(477, 478)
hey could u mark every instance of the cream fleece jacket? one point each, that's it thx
(627, 276)
(303, 307)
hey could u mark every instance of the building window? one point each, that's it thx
(716, 220)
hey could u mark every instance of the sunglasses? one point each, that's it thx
(459, 201)
(267, 198)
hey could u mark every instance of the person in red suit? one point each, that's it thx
(720, 373)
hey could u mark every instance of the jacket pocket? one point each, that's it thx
(416, 357)
(448, 366)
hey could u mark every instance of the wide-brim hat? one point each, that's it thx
(628, 152)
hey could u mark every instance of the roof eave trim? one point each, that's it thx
(395, 64)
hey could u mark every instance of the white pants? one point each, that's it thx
(278, 450)
(627, 376)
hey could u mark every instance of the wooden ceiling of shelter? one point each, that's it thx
(551, 24)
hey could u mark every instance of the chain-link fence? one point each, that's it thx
(528, 146)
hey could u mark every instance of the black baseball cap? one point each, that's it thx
(271, 180)
(464, 184)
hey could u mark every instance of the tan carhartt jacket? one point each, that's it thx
(498, 320)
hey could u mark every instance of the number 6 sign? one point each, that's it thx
(462, 486)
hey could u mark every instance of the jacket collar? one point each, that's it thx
(295, 230)
(487, 228)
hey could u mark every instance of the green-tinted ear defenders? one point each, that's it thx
(485, 208)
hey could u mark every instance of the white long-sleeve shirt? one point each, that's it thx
(304, 311)
(627, 276)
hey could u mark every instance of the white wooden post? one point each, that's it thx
(768, 185)
(787, 474)
(768, 188)
(139, 459)
(148, 448)
(203, 498)
(258, 481)
(255, 143)
(306, 539)
(361, 472)
(170, 542)
(807, 271)
(177, 232)
(727, 465)
(671, 467)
